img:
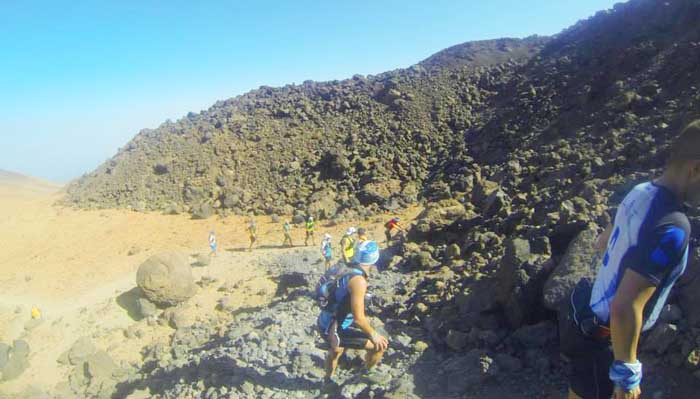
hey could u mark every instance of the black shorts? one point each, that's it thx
(351, 338)
(589, 358)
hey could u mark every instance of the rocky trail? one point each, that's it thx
(274, 351)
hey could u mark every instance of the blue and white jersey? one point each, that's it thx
(650, 236)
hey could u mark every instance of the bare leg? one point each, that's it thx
(373, 356)
(332, 361)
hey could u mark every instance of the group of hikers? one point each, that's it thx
(644, 251)
(252, 230)
(346, 243)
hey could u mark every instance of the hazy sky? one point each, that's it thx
(78, 79)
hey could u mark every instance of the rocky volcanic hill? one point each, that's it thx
(354, 145)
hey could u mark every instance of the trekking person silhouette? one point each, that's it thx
(393, 224)
(327, 250)
(347, 245)
(309, 231)
(253, 233)
(212, 243)
(343, 322)
(287, 235)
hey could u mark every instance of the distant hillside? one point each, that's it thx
(16, 181)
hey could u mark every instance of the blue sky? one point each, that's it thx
(78, 79)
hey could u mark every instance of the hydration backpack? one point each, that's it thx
(329, 283)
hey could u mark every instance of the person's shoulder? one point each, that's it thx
(357, 279)
(678, 220)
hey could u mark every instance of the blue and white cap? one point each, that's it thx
(366, 253)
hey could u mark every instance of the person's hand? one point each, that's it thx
(380, 343)
(636, 393)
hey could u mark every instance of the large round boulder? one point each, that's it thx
(166, 279)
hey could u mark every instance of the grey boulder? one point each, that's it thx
(579, 261)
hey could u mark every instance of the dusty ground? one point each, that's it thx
(78, 268)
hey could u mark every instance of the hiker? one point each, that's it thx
(287, 234)
(342, 321)
(326, 250)
(361, 235)
(309, 231)
(253, 231)
(347, 245)
(392, 224)
(644, 252)
(212, 243)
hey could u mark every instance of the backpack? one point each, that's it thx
(329, 283)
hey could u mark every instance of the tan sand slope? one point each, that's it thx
(17, 183)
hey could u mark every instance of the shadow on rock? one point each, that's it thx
(129, 301)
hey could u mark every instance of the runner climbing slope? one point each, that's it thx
(287, 234)
(327, 250)
(253, 233)
(394, 223)
(212, 243)
(645, 253)
(347, 245)
(309, 231)
(342, 322)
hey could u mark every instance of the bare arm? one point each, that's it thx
(358, 289)
(626, 314)
(602, 243)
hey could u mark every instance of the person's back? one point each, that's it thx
(287, 234)
(392, 224)
(650, 236)
(309, 230)
(645, 253)
(326, 250)
(347, 245)
(341, 312)
(253, 231)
